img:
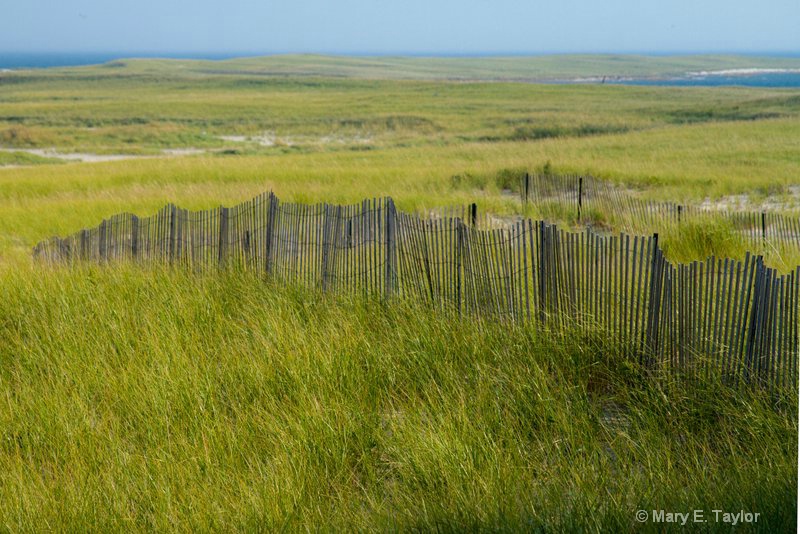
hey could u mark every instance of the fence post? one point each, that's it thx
(246, 248)
(134, 236)
(84, 245)
(460, 229)
(64, 250)
(580, 197)
(473, 214)
(527, 186)
(751, 350)
(102, 249)
(654, 306)
(223, 235)
(325, 245)
(543, 270)
(680, 208)
(273, 208)
(763, 228)
(391, 245)
(173, 234)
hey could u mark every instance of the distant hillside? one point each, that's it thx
(516, 68)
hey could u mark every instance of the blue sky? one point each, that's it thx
(403, 26)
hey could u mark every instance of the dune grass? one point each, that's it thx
(127, 110)
(17, 158)
(344, 138)
(142, 399)
(673, 163)
(165, 400)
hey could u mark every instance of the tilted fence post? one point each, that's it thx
(391, 247)
(326, 243)
(103, 250)
(527, 187)
(134, 236)
(223, 236)
(754, 325)
(269, 245)
(460, 229)
(246, 248)
(173, 233)
(654, 305)
(64, 250)
(84, 244)
(543, 270)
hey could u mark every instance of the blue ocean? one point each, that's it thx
(27, 60)
(766, 79)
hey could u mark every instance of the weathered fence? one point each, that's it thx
(585, 199)
(739, 317)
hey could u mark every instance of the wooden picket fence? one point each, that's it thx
(737, 316)
(584, 197)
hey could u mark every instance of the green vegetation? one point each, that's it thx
(339, 139)
(23, 158)
(158, 399)
(149, 105)
(141, 399)
(527, 68)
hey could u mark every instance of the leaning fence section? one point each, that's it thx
(738, 317)
(592, 201)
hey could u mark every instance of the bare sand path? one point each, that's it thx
(91, 158)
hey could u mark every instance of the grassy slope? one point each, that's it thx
(15, 158)
(149, 399)
(47, 200)
(345, 139)
(177, 402)
(529, 68)
(127, 111)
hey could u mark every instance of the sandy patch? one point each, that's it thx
(341, 140)
(182, 151)
(73, 156)
(745, 203)
(269, 139)
(266, 139)
(94, 158)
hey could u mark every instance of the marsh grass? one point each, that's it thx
(426, 143)
(148, 398)
(139, 399)
(716, 236)
(16, 158)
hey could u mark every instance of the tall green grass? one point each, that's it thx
(426, 143)
(154, 399)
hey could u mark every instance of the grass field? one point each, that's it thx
(343, 139)
(182, 402)
(491, 68)
(153, 399)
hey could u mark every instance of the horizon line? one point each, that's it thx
(171, 54)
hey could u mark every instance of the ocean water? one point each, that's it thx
(769, 79)
(27, 60)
